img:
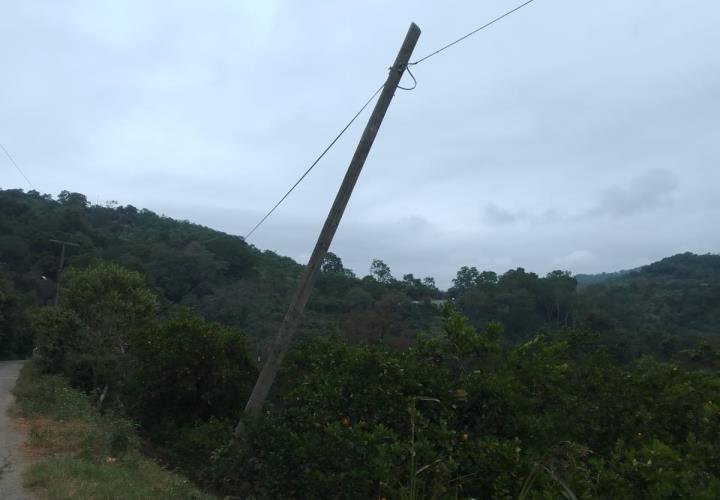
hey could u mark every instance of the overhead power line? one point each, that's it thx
(470, 34)
(332, 143)
(17, 166)
(269, 213)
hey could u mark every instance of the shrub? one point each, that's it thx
(57, 339)
(195, 445)
(188, 371)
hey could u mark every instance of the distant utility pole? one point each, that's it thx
(302, 294)
(60, 267)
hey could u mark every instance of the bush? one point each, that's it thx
(454, 417)
(187, 371)
(87, 336)
(15, 334)
(194, 447)
(57, 339)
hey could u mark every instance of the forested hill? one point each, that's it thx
(538, 389)
(592, 279)
(671, 300)
(662, 308)
(219, 275)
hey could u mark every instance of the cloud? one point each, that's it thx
(497, 216)
(417, 223)
(549, 216)
(210, 111)
(576, 259)
(647, 192)
(494, 215)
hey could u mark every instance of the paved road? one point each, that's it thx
(10, 440)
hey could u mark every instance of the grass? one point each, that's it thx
(82, 454)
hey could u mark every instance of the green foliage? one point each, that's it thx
(539, 389)
(333, 264)
(195, 445)
(109, 300)
(15, 338)
(459, 417)
(38, 394)
(380, 272)
(466, 278)
(58, 338)
(216, 274)
(663, 309)
(64, 478)
(81, 454)
(182, 378)
(276, 461)
(342, 422)
(188, 371)
(87, 337)
(658, 470)
(50, 396)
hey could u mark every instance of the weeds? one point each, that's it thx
(85, 455)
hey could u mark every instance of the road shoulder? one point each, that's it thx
(13, 462)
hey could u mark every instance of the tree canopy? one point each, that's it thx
(519, 386)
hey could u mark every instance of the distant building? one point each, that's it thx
(435, 302)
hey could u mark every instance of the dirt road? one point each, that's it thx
(11, 466)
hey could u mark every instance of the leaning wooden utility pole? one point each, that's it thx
(60, 267)
(302, 294)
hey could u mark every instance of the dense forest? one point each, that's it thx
(216, 274)
(519, 386)
(660, 308)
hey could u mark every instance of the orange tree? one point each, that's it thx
(456, 416)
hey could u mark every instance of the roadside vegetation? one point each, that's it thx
(455, 415)
(521, 387)
(79, 453)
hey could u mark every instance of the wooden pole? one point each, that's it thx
(60, 267)
(302, 294)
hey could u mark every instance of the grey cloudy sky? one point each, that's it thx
(573, 135)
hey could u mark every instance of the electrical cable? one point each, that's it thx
(17, 166)
(470, 34)
(406, 68)
(332, 143)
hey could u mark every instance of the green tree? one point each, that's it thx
(59, 337)
(411, 281)
(73, 199)
(487, 278)
(15, 338)
(559, 297)
(186, 371)
(109, 303)
(466, 278)
(429, 282)
(381, 272)
(332, 264)
(358, 298)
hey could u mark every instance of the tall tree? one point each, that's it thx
(381, 272)
(466, 278)
(332, 264)
(429, 282)
(110, 302)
